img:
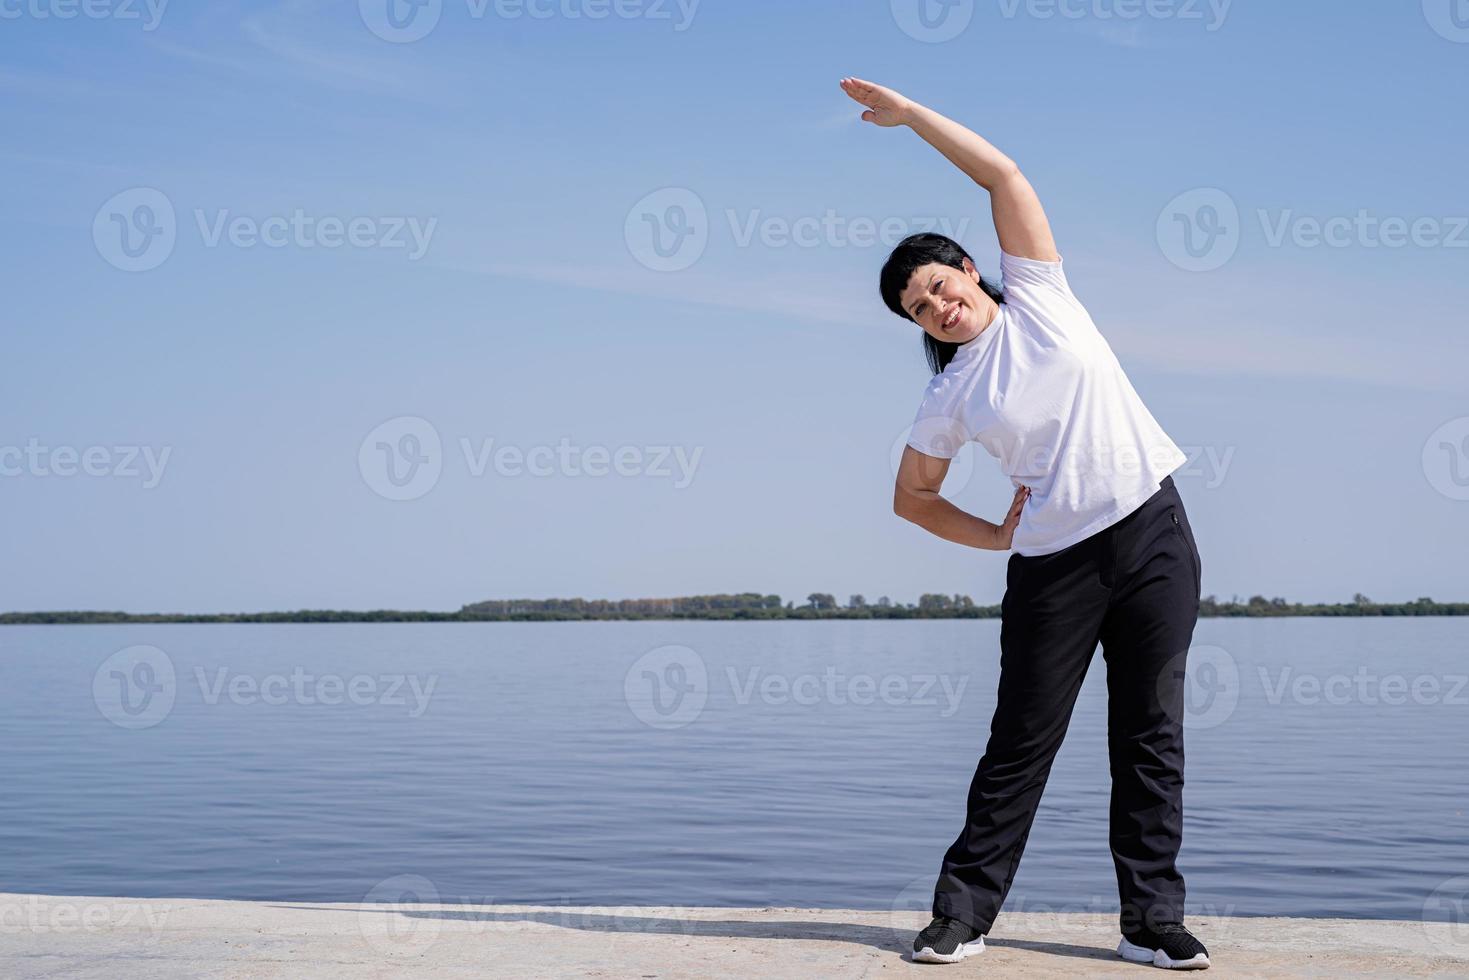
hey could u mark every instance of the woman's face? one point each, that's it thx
(947, 302)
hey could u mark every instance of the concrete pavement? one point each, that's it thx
(113, 938)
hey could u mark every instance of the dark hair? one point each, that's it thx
(911, 254)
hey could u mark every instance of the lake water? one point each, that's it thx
(792, 763)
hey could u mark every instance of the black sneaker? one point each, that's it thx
(1170, 946)
(946, 940)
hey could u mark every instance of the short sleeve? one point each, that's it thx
(1042, 290)
(937, 428)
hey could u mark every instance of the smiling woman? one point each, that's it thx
(944, 285)
(1103, 551)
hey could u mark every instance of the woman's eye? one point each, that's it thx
(919, 311)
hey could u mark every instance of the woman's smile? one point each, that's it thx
(951, 321)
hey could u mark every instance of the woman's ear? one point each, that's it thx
(970, 270)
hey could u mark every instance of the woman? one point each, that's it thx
(1103, 551)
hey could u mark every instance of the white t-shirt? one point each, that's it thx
(1041, 390)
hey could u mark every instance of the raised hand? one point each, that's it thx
(884, 106)
(1005, 533)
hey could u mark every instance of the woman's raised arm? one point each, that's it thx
(1020, 221)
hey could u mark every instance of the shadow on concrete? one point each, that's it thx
(879, 937)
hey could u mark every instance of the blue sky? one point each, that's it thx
(266, 343)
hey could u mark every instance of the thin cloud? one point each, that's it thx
(285, 35)
(797, 300)
(839, 120)
(1258, 353)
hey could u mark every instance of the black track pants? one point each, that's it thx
(1133, 587)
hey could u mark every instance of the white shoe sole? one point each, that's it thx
(927, 955)
(1141, 954)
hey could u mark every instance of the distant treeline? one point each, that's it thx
(745, 605)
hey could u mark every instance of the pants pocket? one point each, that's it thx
(1186, 539)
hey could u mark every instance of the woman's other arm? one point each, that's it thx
(916, 498)
(1020, 221)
